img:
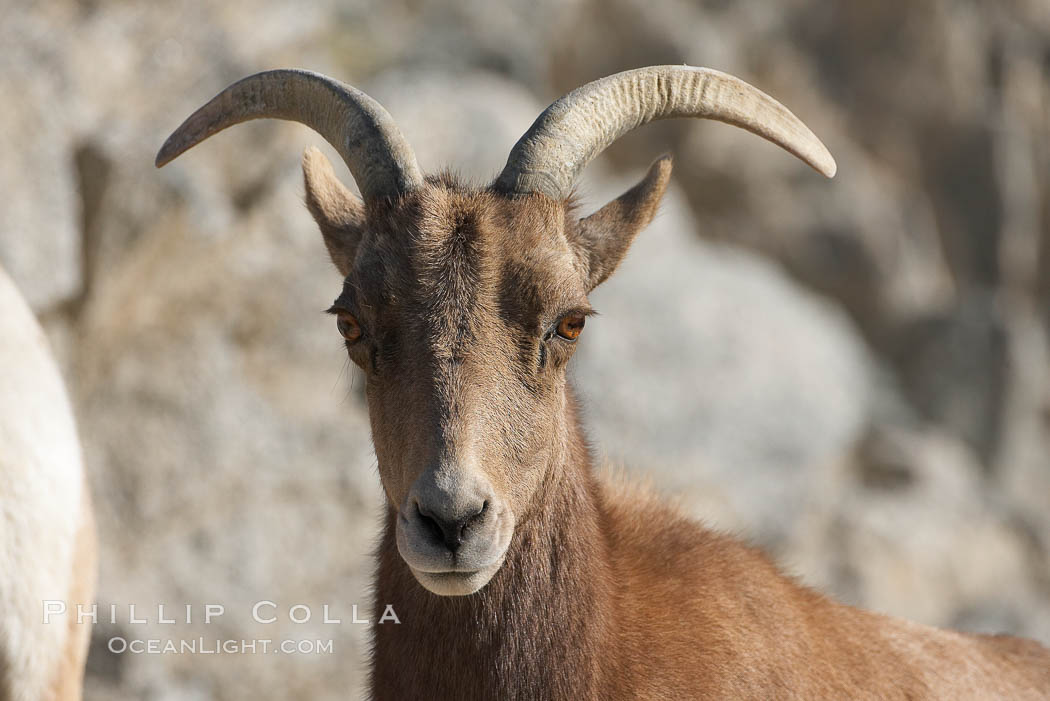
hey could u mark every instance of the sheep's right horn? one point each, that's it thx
(364, 134)
(580, 125)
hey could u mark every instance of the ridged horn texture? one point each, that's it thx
(364, 134)
(580, 125)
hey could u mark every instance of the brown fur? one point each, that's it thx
(603, 592)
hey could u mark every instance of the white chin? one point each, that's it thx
(455, 583)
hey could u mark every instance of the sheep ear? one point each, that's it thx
(338, 212)
(605, 236)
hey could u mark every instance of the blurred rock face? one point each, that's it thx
(709, 367)
(854, 374)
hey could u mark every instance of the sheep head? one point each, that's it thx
(463, 305)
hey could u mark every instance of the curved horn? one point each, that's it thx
(364, 134)
(580, 125)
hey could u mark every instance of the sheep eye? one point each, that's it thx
(348, 327)
(570, 326)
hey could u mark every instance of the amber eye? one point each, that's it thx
(348, 327)
(570, 326)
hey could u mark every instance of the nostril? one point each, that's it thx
(430, 523)
(471, 520)
(451, 532)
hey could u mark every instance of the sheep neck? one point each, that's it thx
(534, 631)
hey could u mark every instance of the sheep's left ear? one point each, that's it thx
(338, 212)
(603, 237)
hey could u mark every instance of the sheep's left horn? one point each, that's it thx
(580, 125)
(364, 134)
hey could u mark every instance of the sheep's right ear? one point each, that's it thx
(338, 212)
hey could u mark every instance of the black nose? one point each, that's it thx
(449, 531)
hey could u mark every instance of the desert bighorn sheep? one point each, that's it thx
(515, 571)
(47, 536)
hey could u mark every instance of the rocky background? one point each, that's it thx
(854, 374)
